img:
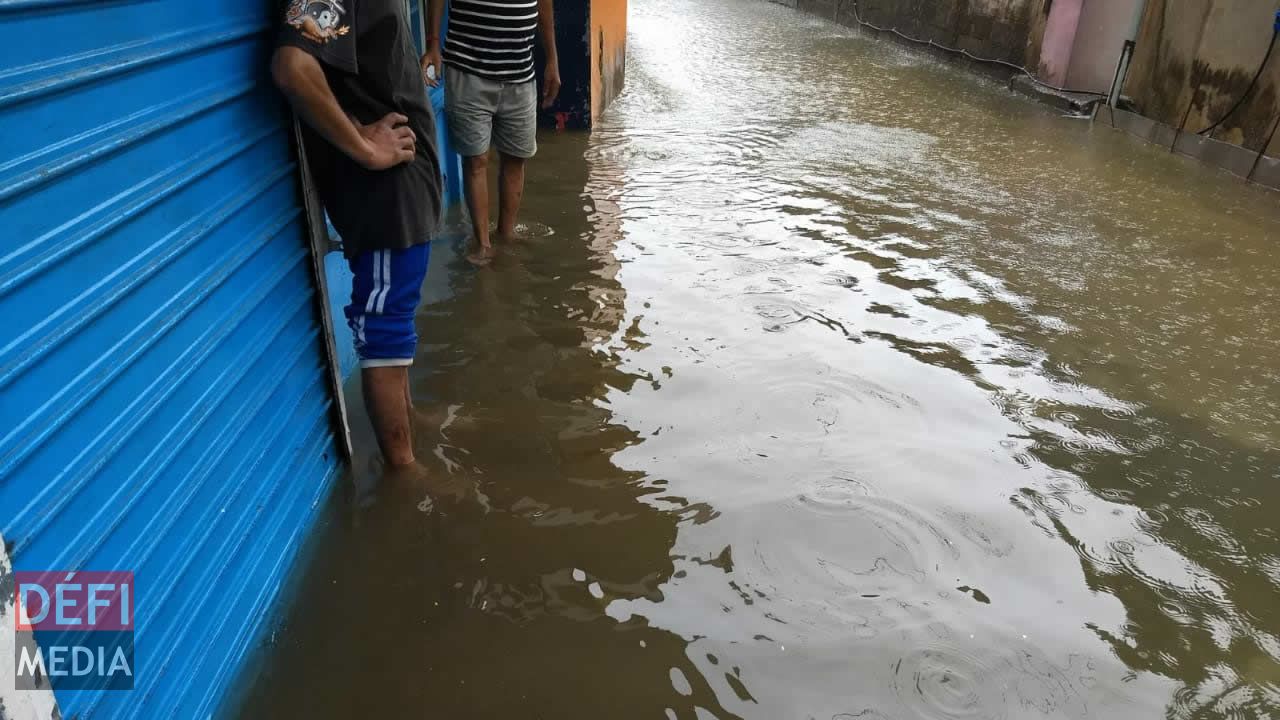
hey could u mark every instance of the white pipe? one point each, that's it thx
(1136, 23)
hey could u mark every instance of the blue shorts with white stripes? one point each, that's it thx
(384, 300)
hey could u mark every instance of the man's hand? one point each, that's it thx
(435, 14)
(378, 146)
(431, 59)
(550, 84)
(390, 142)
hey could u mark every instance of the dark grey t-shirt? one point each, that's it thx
(369, 59)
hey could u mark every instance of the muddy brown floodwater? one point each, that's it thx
(833, 383)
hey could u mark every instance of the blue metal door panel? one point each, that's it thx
(163, 384)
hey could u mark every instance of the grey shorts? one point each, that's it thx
(486, 112)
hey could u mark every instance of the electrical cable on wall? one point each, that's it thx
(1275, 33)
(960, 51)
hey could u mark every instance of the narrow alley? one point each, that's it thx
(833, 382)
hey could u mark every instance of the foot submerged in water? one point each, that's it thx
(428, 490)
(525, 232)
(482, 255)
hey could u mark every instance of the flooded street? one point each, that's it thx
(832, 383)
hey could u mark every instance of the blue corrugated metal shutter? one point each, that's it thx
(162, 379)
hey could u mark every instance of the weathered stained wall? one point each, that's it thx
(1200, 55)
(1008, 30)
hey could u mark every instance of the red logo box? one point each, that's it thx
(91, 601)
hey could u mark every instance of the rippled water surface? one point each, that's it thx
(832, 383)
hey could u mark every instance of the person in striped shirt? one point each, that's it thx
(491, 98)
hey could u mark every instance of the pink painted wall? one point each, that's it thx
(1059, 38)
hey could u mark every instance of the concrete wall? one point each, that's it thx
(1100, 36)
(1006, 30)
(1201, 54)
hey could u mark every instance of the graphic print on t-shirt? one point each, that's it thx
(317, 20)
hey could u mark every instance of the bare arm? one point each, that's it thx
(431, 58)
(547, 30)
(435, 12)
(383, 144)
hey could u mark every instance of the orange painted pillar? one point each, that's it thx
(608, 52)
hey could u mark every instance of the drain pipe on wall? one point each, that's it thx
(1263, 150)
(1276, 125)
(1126, 55)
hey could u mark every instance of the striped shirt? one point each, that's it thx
(492, 38)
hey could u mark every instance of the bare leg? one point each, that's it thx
(475, 185)
(510, 193)
(386, 393)
(408, 400)
(387, 399)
